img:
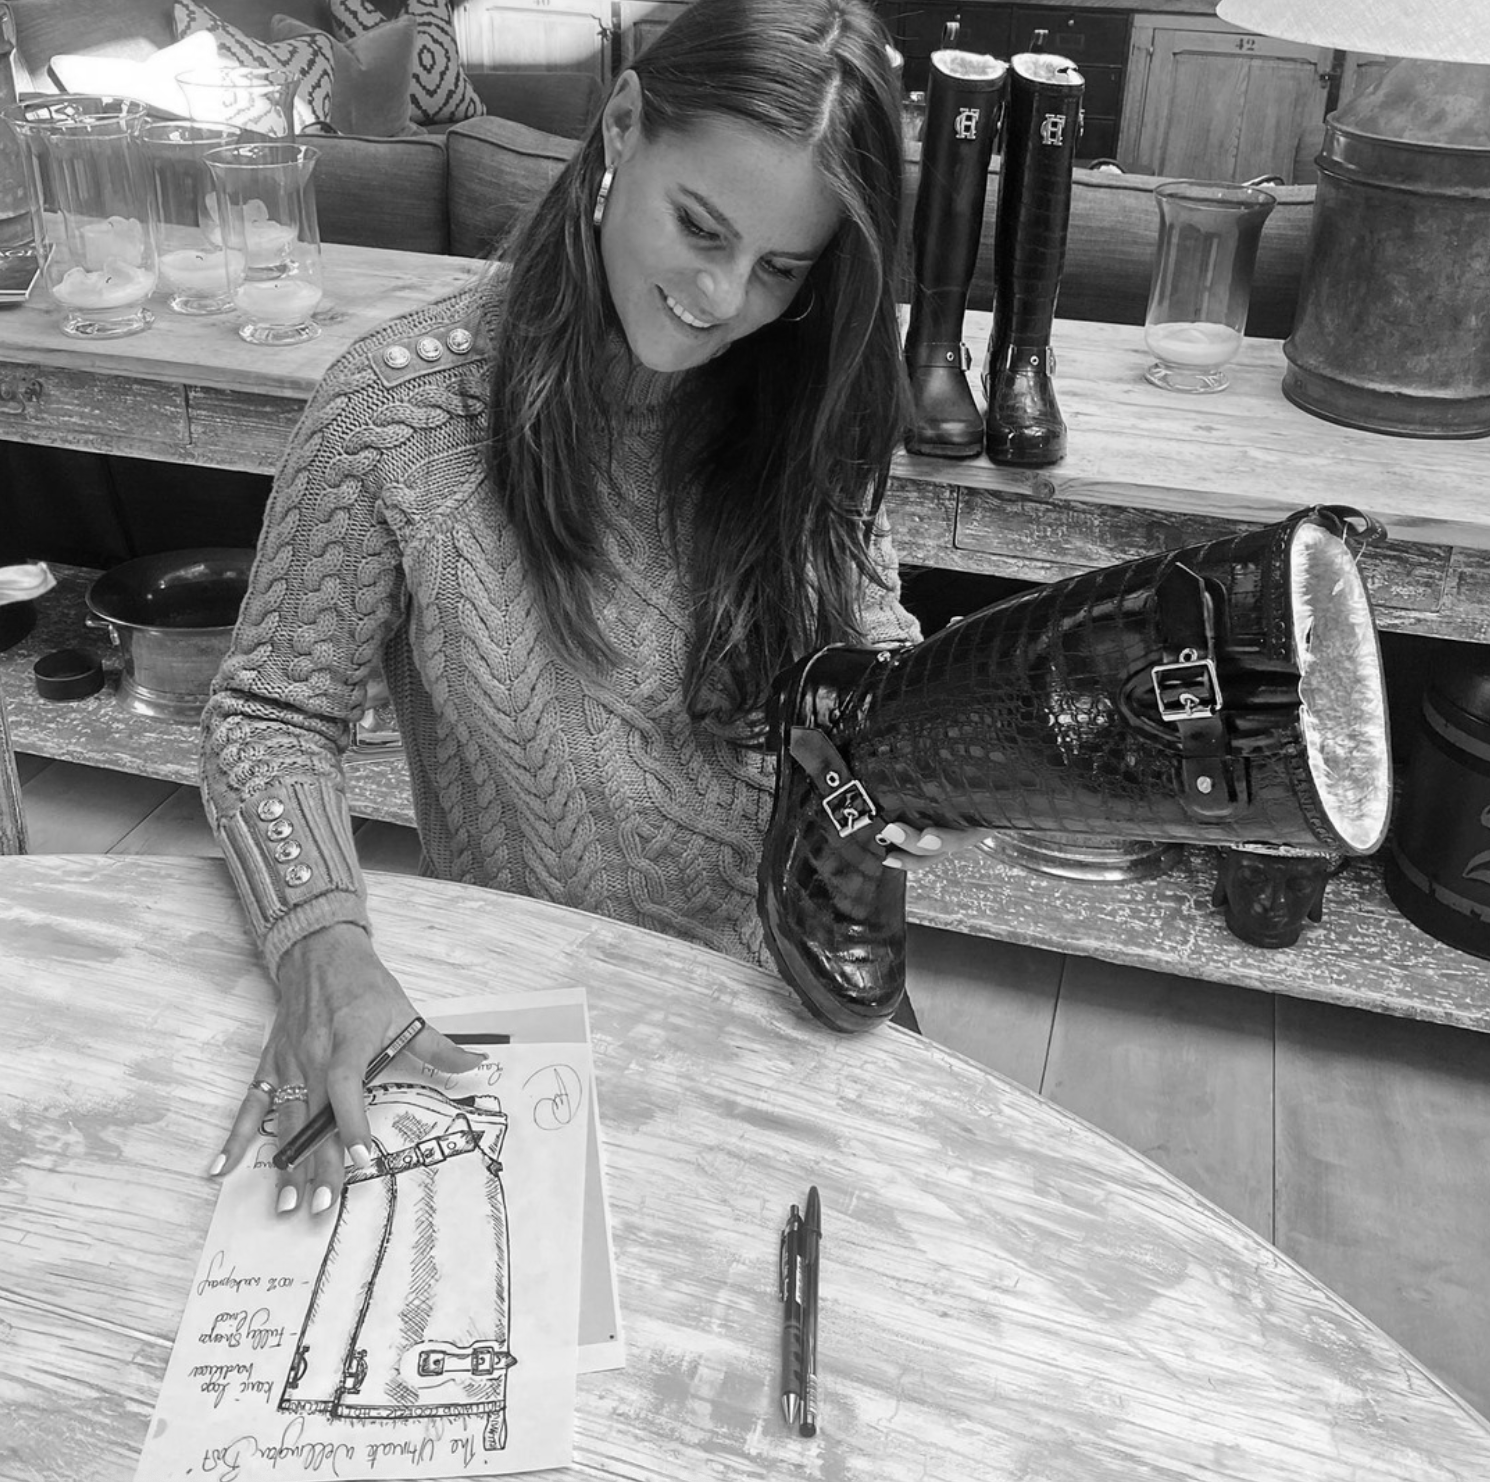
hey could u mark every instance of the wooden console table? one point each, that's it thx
(1147, 470)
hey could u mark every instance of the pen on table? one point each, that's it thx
(811, 1240)
(320, 1126)
(791, 1320)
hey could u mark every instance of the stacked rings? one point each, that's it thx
(291, 1093)
(267, 1087)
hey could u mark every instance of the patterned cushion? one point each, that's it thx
(370, 96)
(441, 92)
(307, 57)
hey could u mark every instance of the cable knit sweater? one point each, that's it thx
(384, 546)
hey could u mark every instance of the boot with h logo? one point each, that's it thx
(964, 104)
(1228, 693)
(1024, 424)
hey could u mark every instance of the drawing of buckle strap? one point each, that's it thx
(423, 1154)
(481, 1359)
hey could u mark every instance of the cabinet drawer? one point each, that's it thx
(38, 401)
(1082, 35)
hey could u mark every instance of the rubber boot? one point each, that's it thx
(1223, 694)
(964, 107)
(1043, 120)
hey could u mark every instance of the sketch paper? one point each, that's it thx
(561, 1016)
(425, 1326)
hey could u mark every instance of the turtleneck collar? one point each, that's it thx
(628, 384)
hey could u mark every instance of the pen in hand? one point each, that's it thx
(320, 1126)
(791, 1321)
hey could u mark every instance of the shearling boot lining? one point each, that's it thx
(1341, 693)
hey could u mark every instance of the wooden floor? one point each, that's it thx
(1358, 1144)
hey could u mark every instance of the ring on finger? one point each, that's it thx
(291, 1093)
(267, 1087)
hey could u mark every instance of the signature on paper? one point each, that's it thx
(557, 1094)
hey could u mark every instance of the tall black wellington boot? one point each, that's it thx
(1223, 694)
(1043, 120)
(964, 106)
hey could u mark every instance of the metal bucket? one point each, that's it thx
(1438, 870)
(172, 617)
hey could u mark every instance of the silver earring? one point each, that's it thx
(602, 193)
(798, 318)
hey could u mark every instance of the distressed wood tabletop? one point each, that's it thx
(1007, 1292)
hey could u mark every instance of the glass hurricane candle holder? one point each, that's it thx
(265, 214)
(95, 209)
(20, 228)
(258, 101)
(1202, 281)
(191, 261)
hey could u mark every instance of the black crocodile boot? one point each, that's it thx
(964, 105)
(1043, 120)
(1222, 694)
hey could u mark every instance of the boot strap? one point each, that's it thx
(1189, 694)
(845, 799)
(939, 353)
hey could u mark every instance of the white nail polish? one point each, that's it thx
(930, 841)
(320, 1200)
(893, 864)
(218, 1164)
(359, 1155)
(288, 1199)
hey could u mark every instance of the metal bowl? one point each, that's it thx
(172, 617)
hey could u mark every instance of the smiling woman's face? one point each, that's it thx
(707, 234)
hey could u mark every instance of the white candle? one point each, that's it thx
(278, 300)
(112, 286)
(1193, 343)
(120, 238)
(197, 269)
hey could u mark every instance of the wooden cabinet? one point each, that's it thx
(1204, 100)
(535, 35)
(640, 21)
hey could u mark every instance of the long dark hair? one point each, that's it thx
(780, 449)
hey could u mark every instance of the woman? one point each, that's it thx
(580, 518)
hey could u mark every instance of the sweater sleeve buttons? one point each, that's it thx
(270, 808)
(297, 874)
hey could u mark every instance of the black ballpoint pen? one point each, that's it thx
(791, 1322)
(321, 1126)
(811, 1240)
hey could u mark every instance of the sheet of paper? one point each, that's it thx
(561, 1016)
(426, 1326)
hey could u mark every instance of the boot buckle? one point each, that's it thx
(1187, 689)
(849, 807)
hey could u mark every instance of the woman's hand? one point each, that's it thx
(914, 849)
(338, 1007)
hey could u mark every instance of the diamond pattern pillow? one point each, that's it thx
(441, 93)
(308, 57)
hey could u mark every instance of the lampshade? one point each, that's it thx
(1389, 334)
(1434, 30)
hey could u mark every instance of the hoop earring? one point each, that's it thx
(798, 318)
(602, 194)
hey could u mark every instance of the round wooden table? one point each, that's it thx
(1007, 1292)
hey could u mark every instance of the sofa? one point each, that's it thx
(458, 190)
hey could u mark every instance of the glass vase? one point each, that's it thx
(191, 261)
(1202, 281)
(264, 208)
(20, 227)
(258, 101)
(92, 184)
